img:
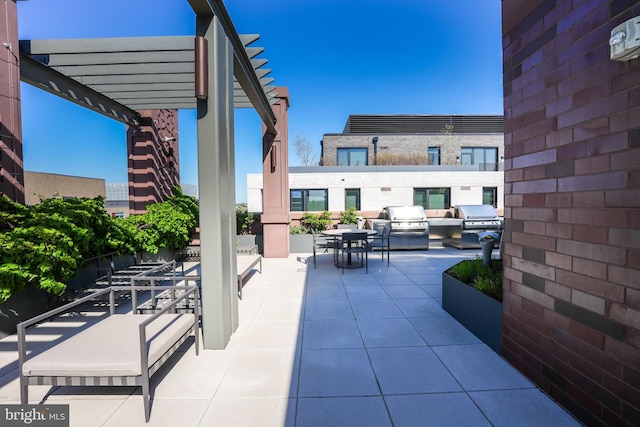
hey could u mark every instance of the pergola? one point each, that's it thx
(215, 73)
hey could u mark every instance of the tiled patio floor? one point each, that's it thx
(318, 348)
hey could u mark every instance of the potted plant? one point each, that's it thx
(472, 294)
(165, 228)
(300, 240)
(349, 218)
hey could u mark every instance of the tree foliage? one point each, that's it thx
(316, 223)
(43, 245)
(244, 219)
(168, 224)
(349, 216)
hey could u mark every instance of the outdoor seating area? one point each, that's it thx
(316, 347)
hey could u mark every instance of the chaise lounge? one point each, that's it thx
(121, 350)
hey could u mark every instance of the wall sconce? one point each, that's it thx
(202, 68)
(273, 158)
(624, 43)
(457, 159)
(502, 158)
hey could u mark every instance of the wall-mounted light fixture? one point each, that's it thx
(624, 43)
(274, 158)
(457, 159)
(374, 141)
(202, 68)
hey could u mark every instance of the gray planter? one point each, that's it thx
(298, 243)
(479, 313)
(163, 255)
(301, 243)
(249, 240)
(23, 305)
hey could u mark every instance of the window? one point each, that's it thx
(490, 196)
(352, 198)
(485, 158)
(432, 198)
(309, 200)
(434, 155)
(353, 157)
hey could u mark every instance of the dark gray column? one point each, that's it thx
(216, 182)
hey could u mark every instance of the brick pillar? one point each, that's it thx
(152, 151)
(275, 175)
(572, 206)
(11, 165)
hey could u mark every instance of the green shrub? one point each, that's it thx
(298, 229)
(45, 244)
(244, 219)
(487, 280)
(168, 224)
(349, 216)
(316, 223)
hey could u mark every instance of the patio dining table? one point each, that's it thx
(338, 232)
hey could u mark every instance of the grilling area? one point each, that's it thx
(412, 229)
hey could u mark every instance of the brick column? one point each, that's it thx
(11, 165)
(572, 206)
(275, 175)
(152, 152)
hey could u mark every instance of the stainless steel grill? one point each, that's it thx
(475, 218)
(409, 227)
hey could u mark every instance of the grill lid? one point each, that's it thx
(406, 213)
(476, 212)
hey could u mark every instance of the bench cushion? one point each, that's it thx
(110, 347)
(246, 262)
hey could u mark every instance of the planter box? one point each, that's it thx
(164, 255)
(301, 243)
(298, 243)
(23, 305)
(479, 313)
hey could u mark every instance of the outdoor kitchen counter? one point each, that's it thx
(443, 228)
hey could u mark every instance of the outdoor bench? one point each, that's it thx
(120, 350)
(245, 264)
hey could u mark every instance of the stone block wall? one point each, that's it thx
(450, 145)
(572, 206)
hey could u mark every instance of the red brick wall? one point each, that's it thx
(152, 150)
(572, 207)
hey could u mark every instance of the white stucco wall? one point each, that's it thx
(380, 186)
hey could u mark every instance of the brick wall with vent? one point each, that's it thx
(572, 206)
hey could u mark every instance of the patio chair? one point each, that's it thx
(355, 243)
(321, 241)
(381, 240)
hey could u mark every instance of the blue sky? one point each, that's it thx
(337, 57)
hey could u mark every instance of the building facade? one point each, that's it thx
(434, 161)
(39, 185)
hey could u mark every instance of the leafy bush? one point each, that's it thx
(244, 219)
(487, 280)
(298, 229)
(316, 222)
(44, 244)
(168, 224)
(349, 216)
